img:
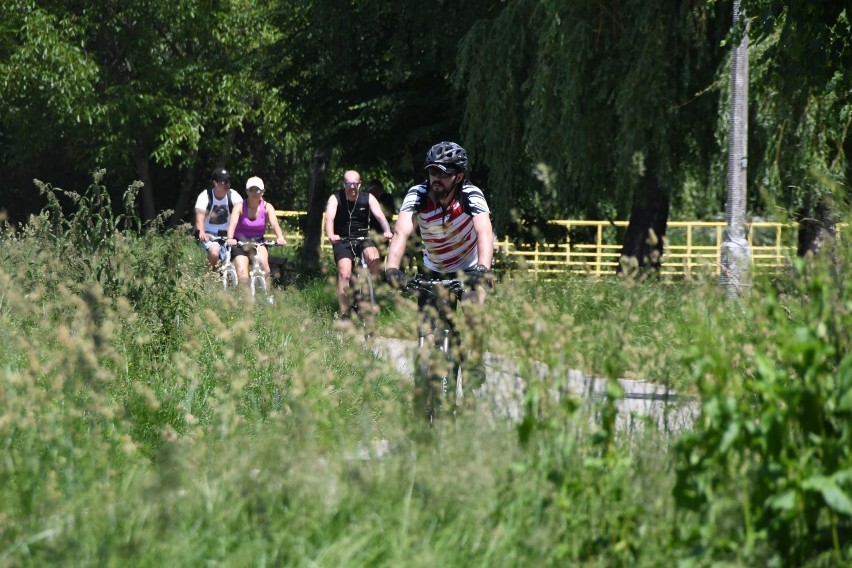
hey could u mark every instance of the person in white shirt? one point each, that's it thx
(212, 213)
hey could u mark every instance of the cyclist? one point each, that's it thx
(453, 218)
(347, 214)
(248, 223)
(212, 211)
(455, 226)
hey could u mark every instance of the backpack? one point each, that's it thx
(210, 201)
(210, 207)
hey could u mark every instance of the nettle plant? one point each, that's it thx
(87, 230)
(142, 263)
(769, 465)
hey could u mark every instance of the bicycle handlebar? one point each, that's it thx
(351, 239)
(267, 243)
(427, 285)
(258, 243)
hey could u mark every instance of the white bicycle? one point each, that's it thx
(227, 270)
(257, 276)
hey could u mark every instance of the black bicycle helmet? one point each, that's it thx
(447, 156)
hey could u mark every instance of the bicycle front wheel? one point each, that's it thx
(368, 285)
(258, 285)
(229, 279)
(436, 388)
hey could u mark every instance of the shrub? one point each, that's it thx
(769, 466)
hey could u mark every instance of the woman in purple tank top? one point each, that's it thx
(248, 223)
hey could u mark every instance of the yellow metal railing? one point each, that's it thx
(593, 247)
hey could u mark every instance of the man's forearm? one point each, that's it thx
(485, 248)
(395, 251)
(199, 224)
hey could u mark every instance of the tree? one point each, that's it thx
(375, 99)
(159, 86)
(47, 85)
(802, 91)
(618, 101)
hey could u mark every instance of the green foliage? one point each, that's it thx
(156, 90)
(564, 106)
(599, 96)
(159, 419)
(605, 327)
(98, 245)
(769, 466)
(387, 86)
(47, 80)
(803, 124)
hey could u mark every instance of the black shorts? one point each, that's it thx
(350, 249)
(427, 299)
(246, 250)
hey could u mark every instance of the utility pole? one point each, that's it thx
(735, 273)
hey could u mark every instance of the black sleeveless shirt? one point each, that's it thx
(352, 219)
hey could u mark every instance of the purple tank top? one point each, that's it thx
(248, 228)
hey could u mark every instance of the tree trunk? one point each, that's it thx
(816, 228)
(142, 160)
(316, 206)
(642, 250)
(186, 186)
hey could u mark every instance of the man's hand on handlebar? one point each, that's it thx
(397, 278)
(479, 275)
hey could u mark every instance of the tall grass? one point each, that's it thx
(149, 419)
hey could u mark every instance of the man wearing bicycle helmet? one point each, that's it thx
(453, 218)
(347, 214)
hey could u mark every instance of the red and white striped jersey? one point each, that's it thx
(449, 240)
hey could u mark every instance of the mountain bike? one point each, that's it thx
(441, 382)
(227, 270)
(363, 296)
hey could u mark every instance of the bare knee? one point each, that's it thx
(213, 253)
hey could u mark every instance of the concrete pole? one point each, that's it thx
(735, 273)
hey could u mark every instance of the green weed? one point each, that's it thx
(149, 418)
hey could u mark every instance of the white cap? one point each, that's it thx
(254, 182)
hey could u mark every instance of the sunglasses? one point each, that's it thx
(254, 190)
(351, 183)
(227, 182)
(439, 173)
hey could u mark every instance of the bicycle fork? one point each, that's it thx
(438, 376)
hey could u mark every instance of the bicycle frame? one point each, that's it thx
(447, 382)
(257, 276)
(227, 270)
(364, 279)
